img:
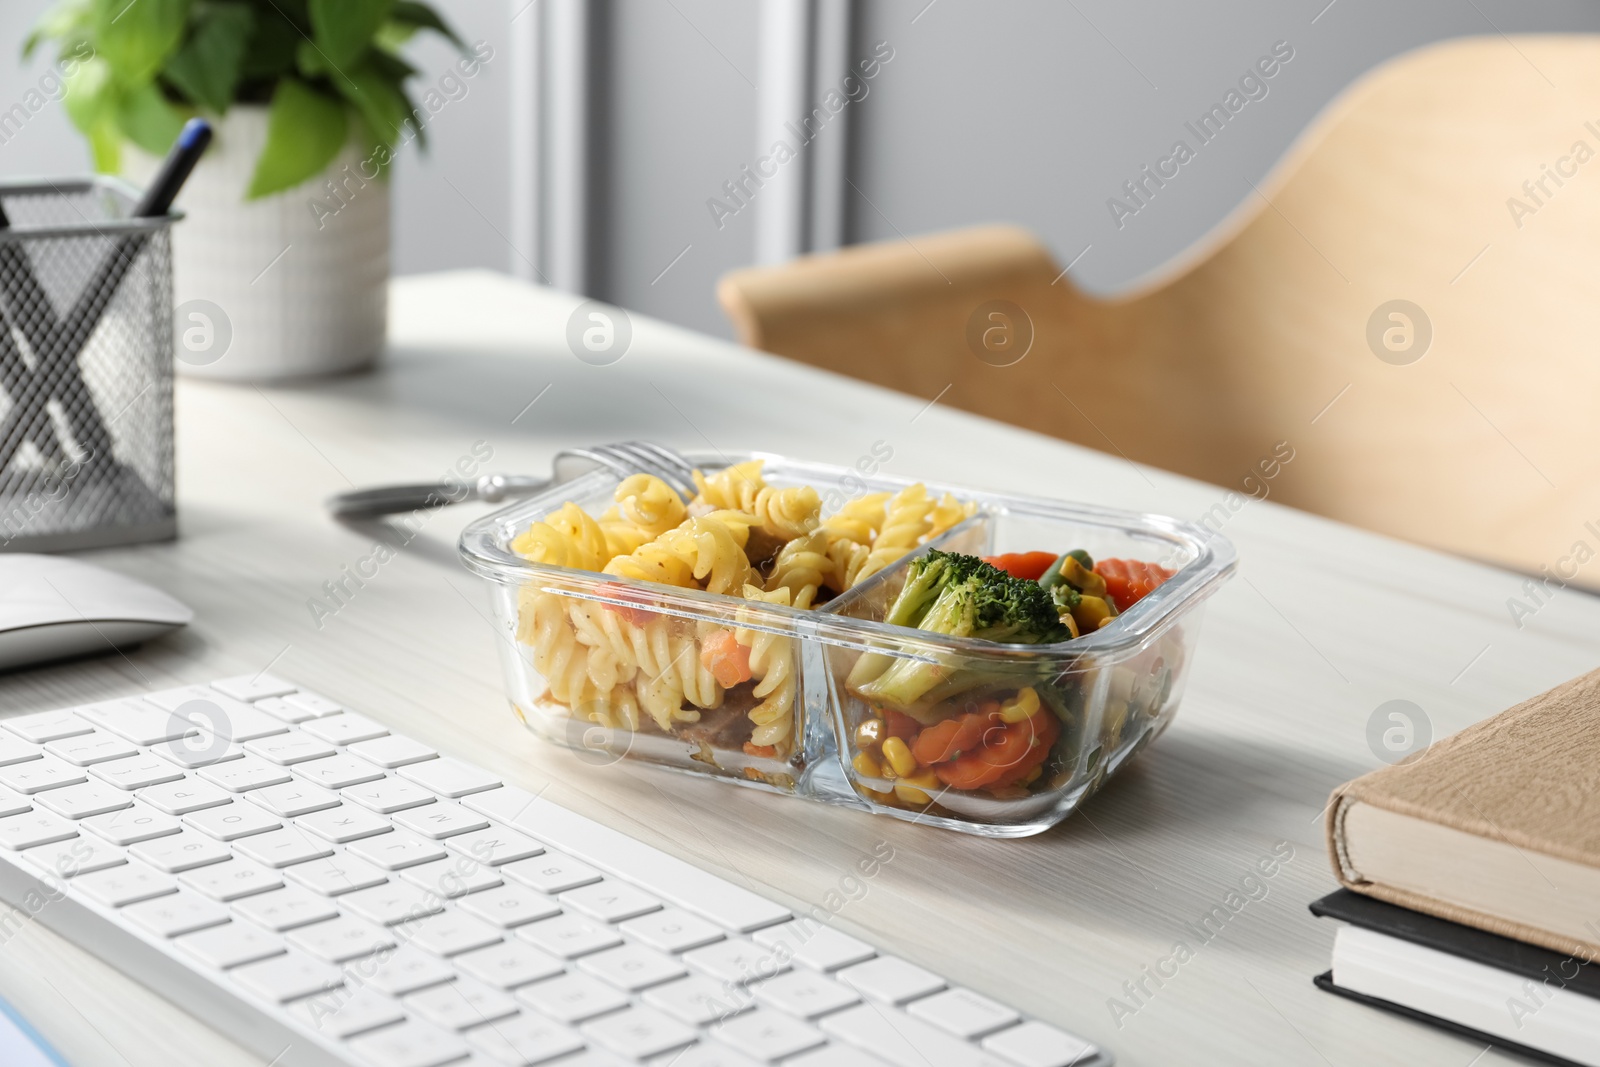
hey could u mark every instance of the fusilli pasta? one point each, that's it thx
(772, 667)
(783, 513)
(905, 525)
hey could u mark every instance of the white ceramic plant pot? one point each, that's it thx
(291, 285)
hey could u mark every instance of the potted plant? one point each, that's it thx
(282, 267)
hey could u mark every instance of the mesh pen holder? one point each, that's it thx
(86, 455)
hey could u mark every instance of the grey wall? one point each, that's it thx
(1030, 111)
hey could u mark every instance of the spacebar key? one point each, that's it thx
(616, 853)
(906, 1041)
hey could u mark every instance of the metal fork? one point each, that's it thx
(622, 458)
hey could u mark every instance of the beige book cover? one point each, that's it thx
(1496, 827)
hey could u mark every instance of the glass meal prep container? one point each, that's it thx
(612, 667)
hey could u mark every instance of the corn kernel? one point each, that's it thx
(1020, 707)
(926, 780)
(899, 756)
(911, 794)
(866, 766)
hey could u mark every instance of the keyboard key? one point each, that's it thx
(510, 905)
(128, 883)
(283, 848)
(229, 822)
(900, 1039)
(337, 772)
(291, 748)
(768, 1035)
(639, 1032)
(572, 998)
(441, 820)
(413, 1043)
(180, 798)
(609, 901)
(37, 775)
(449, 777)
(654, 871)
(244, 774)
(344, 822)
(136, 772)
(46, 725)
(394, 902)
(834, 1055)
(816, 946)
(461, 1004)
(632, 967)
(391, 752)
(130, 825)
(552, 873)
(1034, 1044)
(199, 750)
(405, 970)
(13, 803)
(450, 934)
(341, 939)
(79, 855)
(963, 1013)
(526, 1039)
(14, 750)
(86, 749)
(294, 798)
(33, 829)
(569, 936)
(452, 877)
(283, 711)
(509, 964)
(335, 875)
(136, 721)
(286, 908)
(218, 715)
(82, 801)
(891, 980)
(345, 729)
(231, 945)
(737, 960)
(494, 845)
(673, 930)
(252, 687)
(345, 1012)
(289, 976)
(182, 851)
(231, 879)
(177, 913)
(805, 994)
(699, 1001)
(314, 703)
(397, 850)
(388, 795)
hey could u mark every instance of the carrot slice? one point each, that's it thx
(947, 740)
(726, 659)
(1029, 565)
(1009, 751)
(1129, 581)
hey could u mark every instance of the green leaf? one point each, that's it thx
(91, 96)
(65, 22)
(137, 36)
(149, 121)
(305, 131)
(379, 100)
(344, 29)
(414, 16)
(272, 46)
(208, 66)
(105, 145)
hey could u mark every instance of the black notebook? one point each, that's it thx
(1546, 968)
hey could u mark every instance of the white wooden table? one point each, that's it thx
(1322, 624)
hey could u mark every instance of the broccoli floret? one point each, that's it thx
(960, 595)
(1065, 597)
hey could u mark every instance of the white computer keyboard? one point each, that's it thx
(327, 892)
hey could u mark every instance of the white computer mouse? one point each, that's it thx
(55, 608)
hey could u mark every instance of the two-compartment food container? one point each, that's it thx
(612, 668)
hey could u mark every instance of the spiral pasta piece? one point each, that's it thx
(772, 665)
(801, 567)
(783, 513)
(659, 661)
(847, 557)
(650, 504)
(948, 512)
(708, 548)
(557, 655)
(622, 537)
(858, 520)
(568, 537)
(905, 524)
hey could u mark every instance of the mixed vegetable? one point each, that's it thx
(934, 727)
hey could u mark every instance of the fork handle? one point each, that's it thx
(390, 499)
